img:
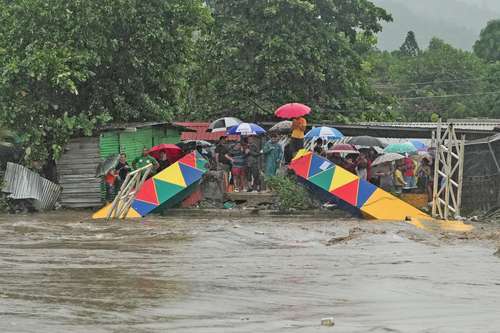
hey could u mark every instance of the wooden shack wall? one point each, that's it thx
(76, 169)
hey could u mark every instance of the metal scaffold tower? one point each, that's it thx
(448, 172)
(131, 185)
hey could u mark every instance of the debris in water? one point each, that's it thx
(327, 322)
(497, 253)
(353, 233)
(258, 232)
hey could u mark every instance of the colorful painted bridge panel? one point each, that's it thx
(359, 194)
(167, 185)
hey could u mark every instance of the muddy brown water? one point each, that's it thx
(63, 273)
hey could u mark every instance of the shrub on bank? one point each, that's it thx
(290, 194)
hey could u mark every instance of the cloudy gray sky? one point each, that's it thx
(458, 22)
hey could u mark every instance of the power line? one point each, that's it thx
(447, 96)
(430, 82)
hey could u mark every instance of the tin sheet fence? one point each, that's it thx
(482, 193)
(22, 183)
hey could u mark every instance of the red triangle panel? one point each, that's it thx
(189, 159)
(147, 192)
(348, 192)
(301, 166)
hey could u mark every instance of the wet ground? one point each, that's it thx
(62, 273)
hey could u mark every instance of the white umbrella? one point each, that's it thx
(284, 126)
(222, 124)
(387, 157)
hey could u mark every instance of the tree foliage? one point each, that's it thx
(441, 81)
(410, 46)
(263, 53)
(488, 45)
(69, 66)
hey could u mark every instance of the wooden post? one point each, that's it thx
(449, 158)
(437, 143)
(460, 174)
(449, 146)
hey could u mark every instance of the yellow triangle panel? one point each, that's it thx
(341, 177)
(102, 213)
(172, 175)
(132, 213)
(384, 206)
(300, 153)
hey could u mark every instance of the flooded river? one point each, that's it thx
(62, 273)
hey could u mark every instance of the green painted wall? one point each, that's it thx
(132, 142)
(109, 144)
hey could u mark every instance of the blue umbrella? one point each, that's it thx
(323, 132)
(419, 145)
(246, 129)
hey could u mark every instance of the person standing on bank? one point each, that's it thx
(222, 162)
(238, 161)
(299, 125)
(253, 159)
(163, 162)
(144, 160)
(122, 168)
(273, 154)
(409, 172)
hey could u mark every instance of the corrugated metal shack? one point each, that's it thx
(76, 167)
(22, 183)
(481, 182)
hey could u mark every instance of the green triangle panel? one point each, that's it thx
(166, 190)
(323, 179)
(201, 164)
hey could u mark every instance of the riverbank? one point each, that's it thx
(62, 272)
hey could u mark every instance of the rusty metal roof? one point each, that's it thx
(198, 131)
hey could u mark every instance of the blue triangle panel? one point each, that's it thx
(190, 174)
(142, 207)
(365, 191)
(319, 164)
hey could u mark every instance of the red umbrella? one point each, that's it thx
(343, 148)
(173, 152)
(292, 110)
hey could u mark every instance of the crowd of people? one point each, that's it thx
(248, 162)
(243, 161)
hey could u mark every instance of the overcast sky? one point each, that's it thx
(458, 22)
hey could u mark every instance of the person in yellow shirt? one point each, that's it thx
(299, 125)
(399, 181)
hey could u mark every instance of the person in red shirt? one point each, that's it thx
(409, 172)
(109, 182)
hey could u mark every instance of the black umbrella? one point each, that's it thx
(106, 165)
(367, 141)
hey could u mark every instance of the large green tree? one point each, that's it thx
(487, 46)
(263, 53)
(68, 66)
